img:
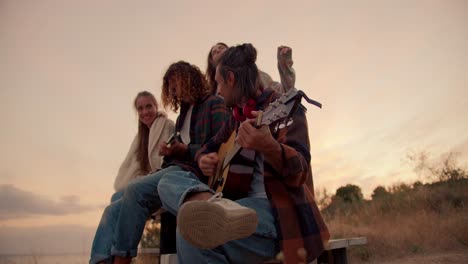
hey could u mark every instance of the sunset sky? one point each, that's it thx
(392, 77)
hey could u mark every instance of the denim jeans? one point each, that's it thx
(116, 196)
(262, 245)
(123, 221)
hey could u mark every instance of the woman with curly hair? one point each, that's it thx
(201, 116)
(285, 62)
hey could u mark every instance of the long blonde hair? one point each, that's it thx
(143, 135)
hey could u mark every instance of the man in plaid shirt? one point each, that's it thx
(272, 210)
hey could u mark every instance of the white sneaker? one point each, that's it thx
(208, 224)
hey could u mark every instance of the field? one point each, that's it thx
(406, 222)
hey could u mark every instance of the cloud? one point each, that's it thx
(17, 203)
(46, 240)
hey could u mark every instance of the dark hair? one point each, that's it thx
(211, 68)
(143, 136)
(240, 60)
(189, 78)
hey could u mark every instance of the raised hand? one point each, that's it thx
(286, 71)
(284, 55)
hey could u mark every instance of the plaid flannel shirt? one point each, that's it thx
(298, 219)
(208, 116)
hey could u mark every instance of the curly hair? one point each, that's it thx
(191, 83)
(211, 68)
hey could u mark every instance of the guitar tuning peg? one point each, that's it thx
(290, 121)
(277, 126)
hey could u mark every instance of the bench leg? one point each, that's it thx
(167, 237)
(339, 256)
(334, 256)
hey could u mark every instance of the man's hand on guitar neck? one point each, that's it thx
(208, 163)
(177, 149)
(258, 139)
(261, 140)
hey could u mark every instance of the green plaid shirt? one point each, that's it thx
(208, 116)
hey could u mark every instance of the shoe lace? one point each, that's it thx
(215, 197)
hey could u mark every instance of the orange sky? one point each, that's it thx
(391, 77)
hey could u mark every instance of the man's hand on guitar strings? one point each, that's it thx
(258, 139)
(208, 163)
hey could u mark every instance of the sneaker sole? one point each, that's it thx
(207, 225)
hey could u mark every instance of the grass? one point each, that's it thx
(406, 221)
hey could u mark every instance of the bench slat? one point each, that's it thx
(345, 242)
(335, 251)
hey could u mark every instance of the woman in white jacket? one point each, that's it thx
(154, 128)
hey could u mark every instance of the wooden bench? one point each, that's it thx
(335, 252)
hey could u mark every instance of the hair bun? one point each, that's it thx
(250, 53)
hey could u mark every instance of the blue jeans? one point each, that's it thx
(262, 245)
(117, 195)
(123, 221)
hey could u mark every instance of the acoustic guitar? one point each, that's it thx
(278, 113)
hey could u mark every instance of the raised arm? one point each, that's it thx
(285, 69)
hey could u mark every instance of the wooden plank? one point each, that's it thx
(335, 251)
(345, 242)
(169, 259)
(357, 241)
(147, 255)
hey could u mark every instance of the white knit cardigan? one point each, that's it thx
(160, 131)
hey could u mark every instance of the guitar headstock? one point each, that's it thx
(281, 109)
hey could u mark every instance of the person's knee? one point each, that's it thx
(109, 213)
(163, 186)
(116, 196)
(132, 189)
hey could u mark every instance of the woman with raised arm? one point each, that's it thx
(285, 63)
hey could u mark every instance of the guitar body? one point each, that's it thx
(218, 181)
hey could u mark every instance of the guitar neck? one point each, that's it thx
(235, 149)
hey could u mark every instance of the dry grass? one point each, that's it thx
(427, 219)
